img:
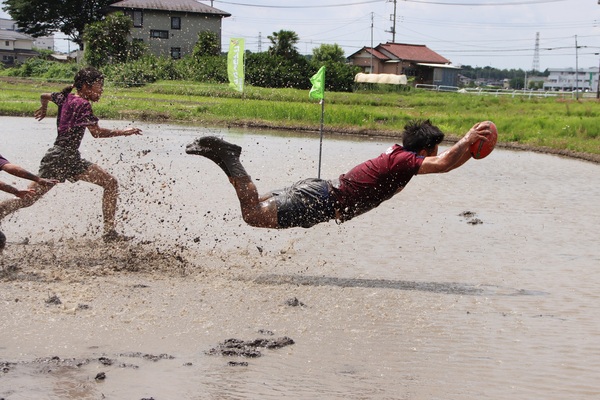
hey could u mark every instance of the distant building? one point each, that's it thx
(42, 42)
(569, 79)
(15, 47)
(412, 60)
(535, 82)
(170, 27)
(63, 57)
(8, 24)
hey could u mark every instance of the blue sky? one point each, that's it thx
(501, 34)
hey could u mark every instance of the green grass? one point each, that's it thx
(560, 124)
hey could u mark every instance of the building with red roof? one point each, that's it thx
(413, 60)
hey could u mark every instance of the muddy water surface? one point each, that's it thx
(480, 283)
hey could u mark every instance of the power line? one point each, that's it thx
(498, 24)
(302, 6)
(441, 3)
(504, 3)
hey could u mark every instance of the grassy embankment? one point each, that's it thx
(564, 126)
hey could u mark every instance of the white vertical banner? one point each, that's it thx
(235, 64)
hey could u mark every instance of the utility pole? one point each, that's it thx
(371, 52)
(393, 18)
(598, 83)
(576, 70)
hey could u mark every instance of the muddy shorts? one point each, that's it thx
(304, 204)
(63, 164)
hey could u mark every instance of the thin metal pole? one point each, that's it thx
(576, 70)
(371, 70)
(598, 84)
(321, 130)
(394, 25)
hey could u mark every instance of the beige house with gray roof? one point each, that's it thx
(15, 47)
(170, 27)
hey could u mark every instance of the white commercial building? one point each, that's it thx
(568, 79)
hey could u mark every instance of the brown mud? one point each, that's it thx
(477, 284)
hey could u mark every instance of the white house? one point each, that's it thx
(42, 42)
(15, 47)
(568, 79)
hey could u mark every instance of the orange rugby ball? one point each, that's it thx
(482, 148)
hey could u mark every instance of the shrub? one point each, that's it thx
(135, 73)
(339, 77)
(39, 68)
(210, 69)
(107, 41)
(265, 70)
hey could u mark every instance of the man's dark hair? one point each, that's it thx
(421, 135)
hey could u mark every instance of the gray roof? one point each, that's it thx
(6, 34)
(189, 6)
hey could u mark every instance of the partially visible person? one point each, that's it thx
(63, 161)
(20, 172)
(2, 242)
(312, 201)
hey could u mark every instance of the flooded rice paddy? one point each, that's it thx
(480, 283)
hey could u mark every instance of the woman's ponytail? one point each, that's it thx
(67, 90)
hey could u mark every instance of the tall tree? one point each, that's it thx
(283, 43)
(44, 17)
(107, 41)
(328, 53)
(207, 45)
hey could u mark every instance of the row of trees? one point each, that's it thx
(492, 73)
(516, 77)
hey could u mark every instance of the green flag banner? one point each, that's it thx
(235, 64)
(318, 81)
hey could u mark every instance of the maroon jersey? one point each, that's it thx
(367, 185)
(74, 115)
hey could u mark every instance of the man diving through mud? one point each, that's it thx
(363, 188)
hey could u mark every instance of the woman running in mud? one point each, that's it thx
(63, 161)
